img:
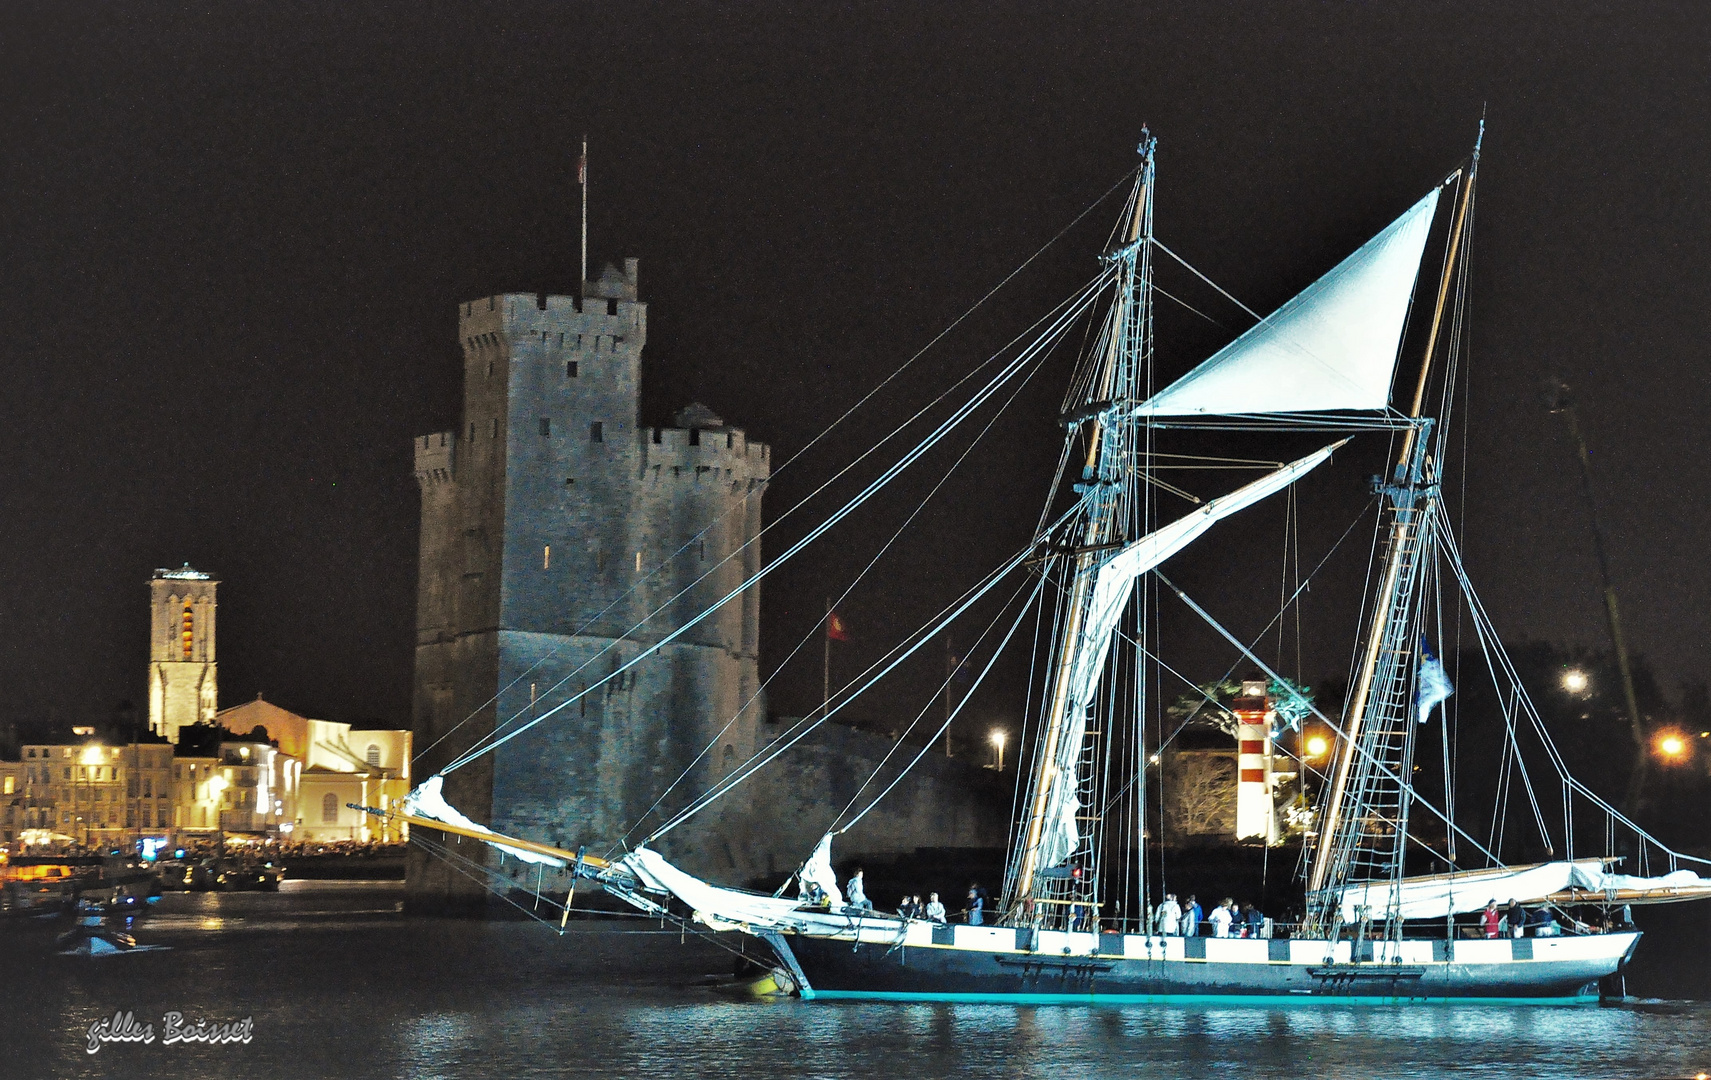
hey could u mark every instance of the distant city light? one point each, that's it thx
(997, 738)
(1575, 681)
(1671, 745)
(1316, 746)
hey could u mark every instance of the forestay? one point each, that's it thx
(1333, 347)
(1060, 836)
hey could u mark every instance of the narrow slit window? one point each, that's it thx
(495, 427)
(546, 427)
(638, 562)
(597, 432)
(570, 369)
(546, 557)
(472, 431)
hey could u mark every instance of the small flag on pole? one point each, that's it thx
(835, 629)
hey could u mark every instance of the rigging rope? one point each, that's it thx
(809, 445)
(815, 632)
(493, 741)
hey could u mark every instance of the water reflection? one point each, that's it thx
(372, 996)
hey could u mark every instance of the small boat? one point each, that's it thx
(95, 934)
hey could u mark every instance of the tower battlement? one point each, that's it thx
(436, 457)
(727, 450)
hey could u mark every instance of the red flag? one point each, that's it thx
(835, 629)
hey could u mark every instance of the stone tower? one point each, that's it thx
(183, 676)
(553, 525)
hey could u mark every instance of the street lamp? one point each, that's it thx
(998, 738)
(1575, 681)
(1672, 746)
(1316, 746)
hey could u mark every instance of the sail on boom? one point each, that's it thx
(1333, 347)
(1060, 836)
(1580, 881)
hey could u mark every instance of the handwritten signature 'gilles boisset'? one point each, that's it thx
(124, 1027)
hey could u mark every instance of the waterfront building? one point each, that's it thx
(90, 790)
(322, 766)
(183, 674)
(554, 523)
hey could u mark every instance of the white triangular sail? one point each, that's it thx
(1059, 836)
(1333, 347)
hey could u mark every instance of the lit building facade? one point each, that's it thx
(184, 685)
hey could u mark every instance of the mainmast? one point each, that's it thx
(1038, 881)
(1365, 809)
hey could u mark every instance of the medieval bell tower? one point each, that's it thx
(183, 677)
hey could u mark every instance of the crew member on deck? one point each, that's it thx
(857, 894)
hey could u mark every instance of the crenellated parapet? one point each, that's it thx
(436, 458)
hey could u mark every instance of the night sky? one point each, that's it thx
(235, 238)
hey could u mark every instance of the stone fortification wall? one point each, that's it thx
(559, 538)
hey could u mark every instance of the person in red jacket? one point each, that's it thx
(1490, 919)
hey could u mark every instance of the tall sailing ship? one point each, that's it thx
(1324, 363)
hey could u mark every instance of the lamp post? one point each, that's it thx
(998, 739)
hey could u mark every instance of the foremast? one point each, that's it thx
(1045, 886)
(1363, 826)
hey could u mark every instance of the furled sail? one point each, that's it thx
(1333, 347)
(818, 872)
(718, 907)
(428, 801)
(1060, 836)
(1445, 894)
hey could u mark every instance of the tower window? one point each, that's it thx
(546, 427)
(570, 481)
(694, 436)
(472, 431)
(490, 369)
(373, 756)
(329, 808)
(188, 632)
(546, 557)
(495, 427)
(570, 369)
(597, 432)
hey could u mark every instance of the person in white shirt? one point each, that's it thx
(1220, 919)
(1169, 915)
(856, 894)
(935, 910)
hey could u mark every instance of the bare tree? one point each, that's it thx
(1201, 797)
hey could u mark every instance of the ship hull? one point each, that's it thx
(1563, 970)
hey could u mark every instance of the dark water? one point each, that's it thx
(339, 985)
